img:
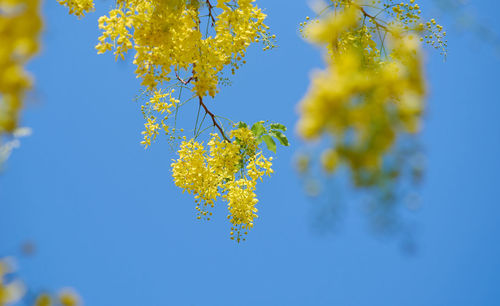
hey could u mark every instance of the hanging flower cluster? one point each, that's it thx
(167, 36)
(228, 170)
(372, 91)
(20, 28)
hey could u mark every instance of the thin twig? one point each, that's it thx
(372, 18)
(181, 80)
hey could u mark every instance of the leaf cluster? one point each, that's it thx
(266, 133)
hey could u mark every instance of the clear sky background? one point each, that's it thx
(107, 219)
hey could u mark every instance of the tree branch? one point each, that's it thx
(213, 119)
(210, 8)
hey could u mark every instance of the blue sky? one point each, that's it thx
(107, 219)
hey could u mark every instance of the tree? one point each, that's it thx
(373, 79)
(367, 102)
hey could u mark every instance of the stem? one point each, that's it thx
(196, 124)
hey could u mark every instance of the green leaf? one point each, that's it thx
(258, 129)
(271, 145)
(281, 137)
(242, 124)
(278, 126)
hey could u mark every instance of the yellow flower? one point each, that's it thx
(67, 297)
(43, 300)
(78, 7)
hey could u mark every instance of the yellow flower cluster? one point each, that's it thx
(241, 200)
(10, 292)
(13, 291)
(246, 140)
(167, 35)
(20, 27)
(78, 7)
(386, 14)
(229, 170)
(192, 173)
(370, 94)
(409, 16)
(160, 104)
(66, 297)
(434, 35)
